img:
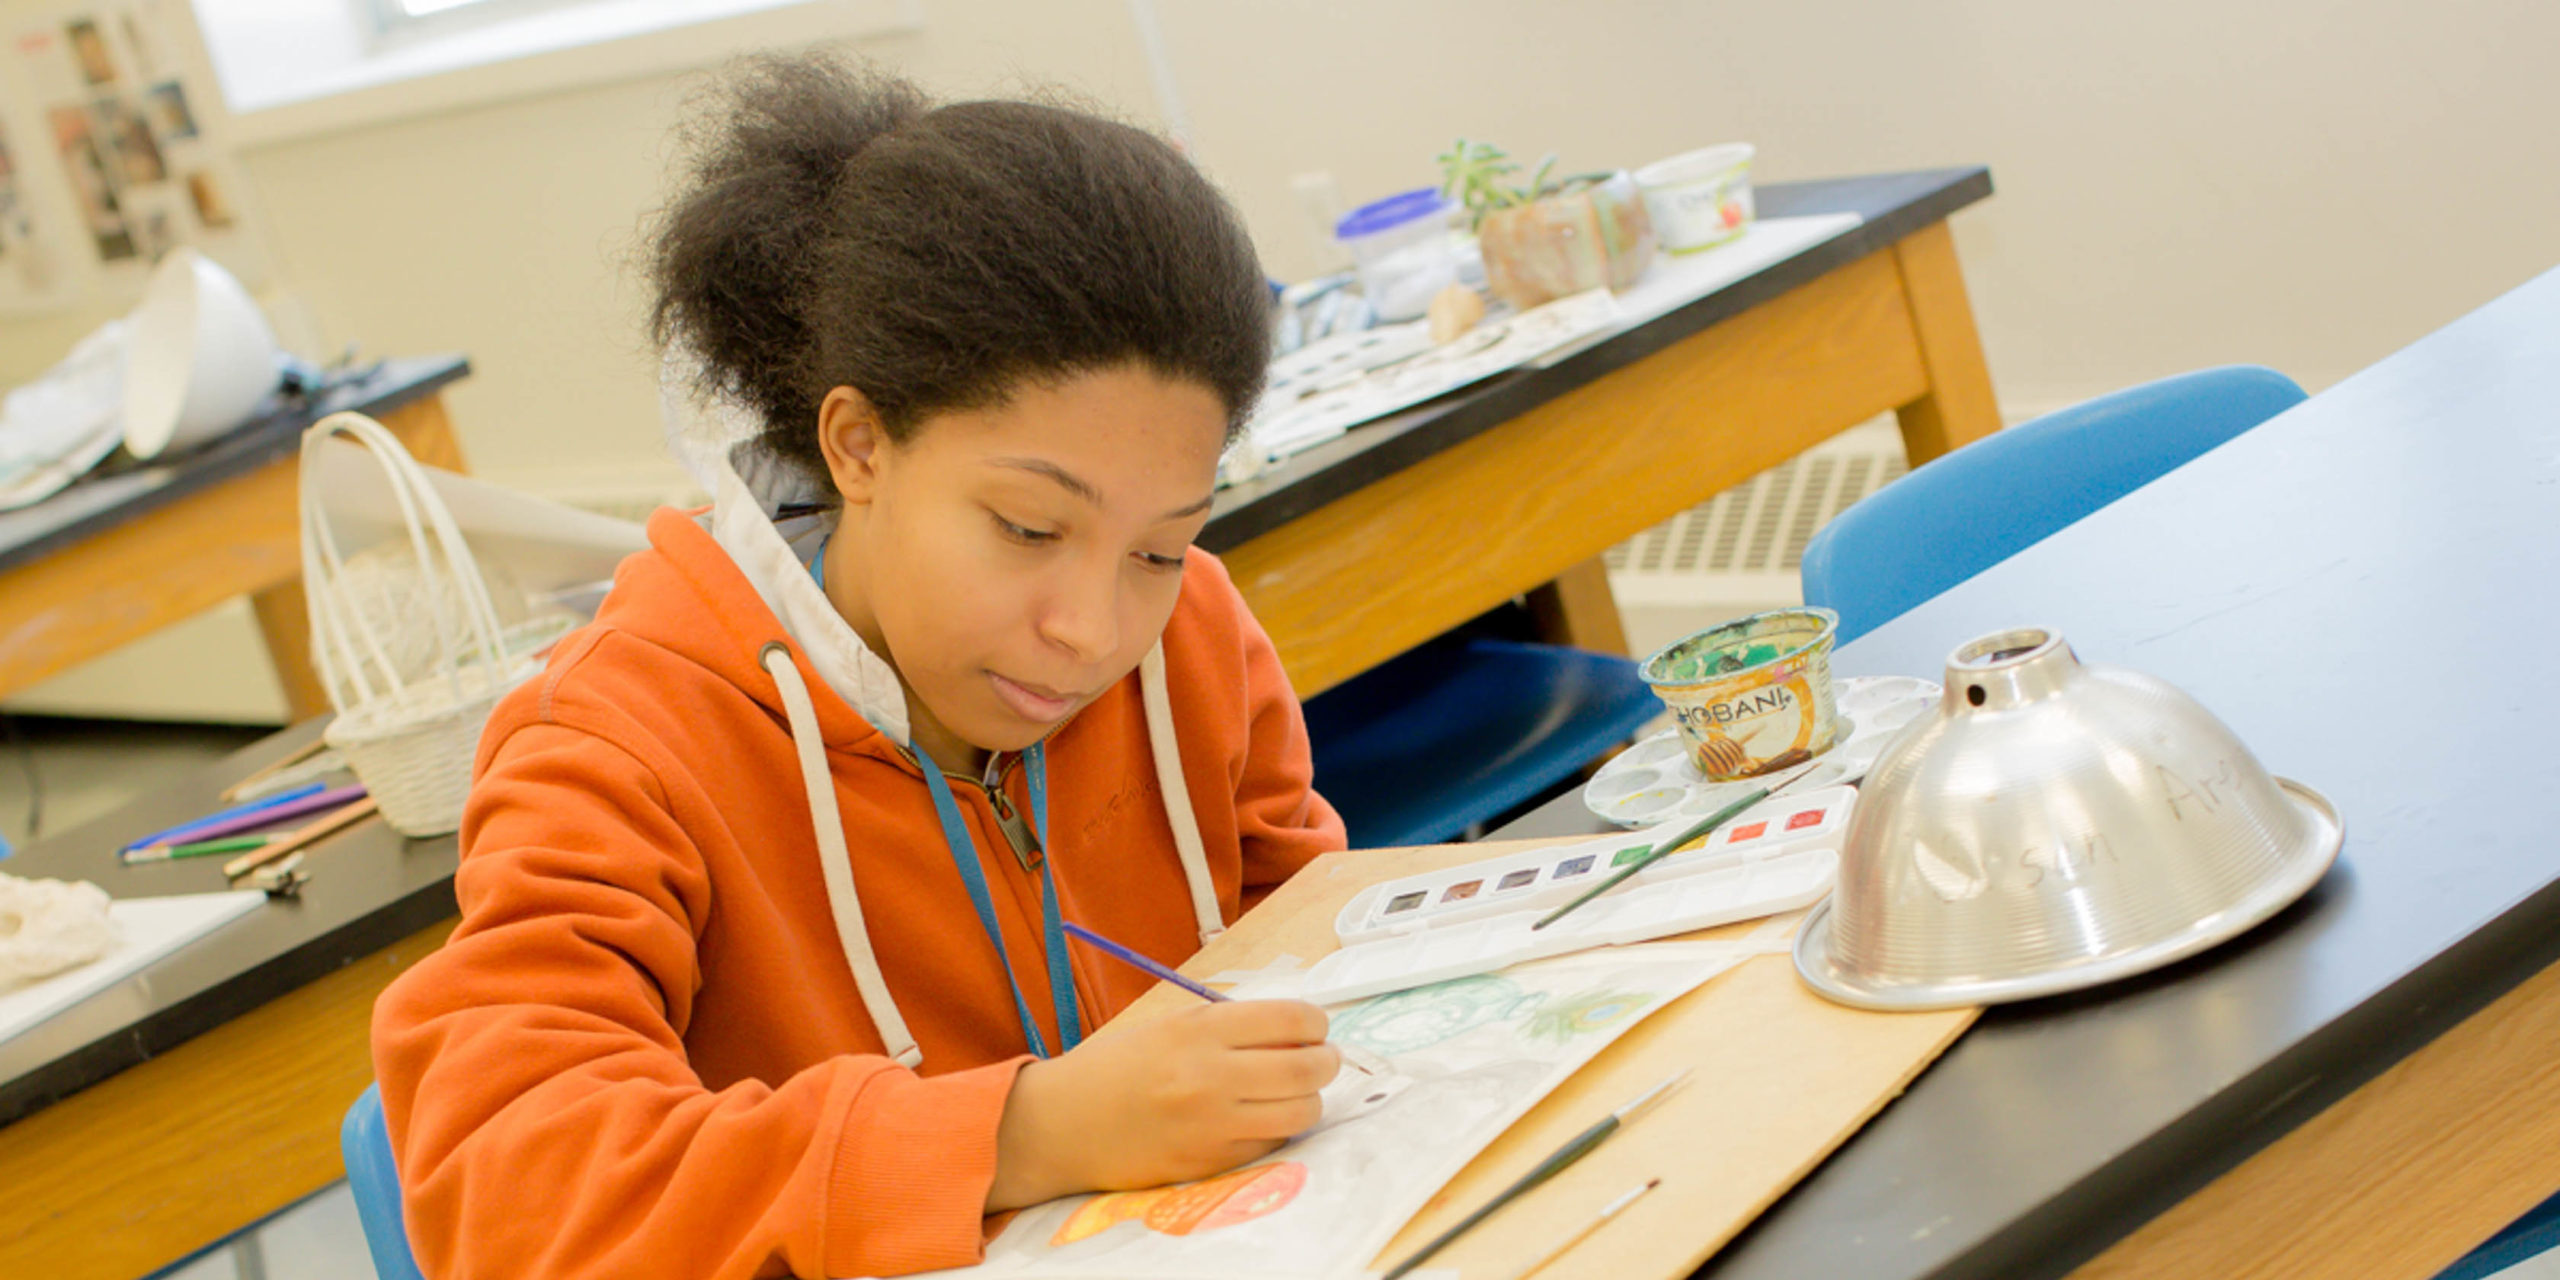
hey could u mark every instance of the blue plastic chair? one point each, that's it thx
(2532, 1235)
(1464, 729)
(375, 1180)
(1981, 504)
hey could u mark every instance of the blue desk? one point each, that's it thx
(2366, 589)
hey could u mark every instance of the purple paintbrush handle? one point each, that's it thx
(251, 821)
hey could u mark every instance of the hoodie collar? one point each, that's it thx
(750, 492)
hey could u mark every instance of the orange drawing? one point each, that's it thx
(1179, 1210)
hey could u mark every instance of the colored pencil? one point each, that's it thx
(316, 802)
(242, 788)
(203, 828)
(1664, 850)
(1575, 1148)
(199, 849)
(300, 837)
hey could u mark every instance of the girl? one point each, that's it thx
(760, 969)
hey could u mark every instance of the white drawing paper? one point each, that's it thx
(1461, 1060)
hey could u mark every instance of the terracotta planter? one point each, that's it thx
(1569, 243)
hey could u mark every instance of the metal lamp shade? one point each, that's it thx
(2054, 826)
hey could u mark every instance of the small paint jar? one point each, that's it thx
(1753, 695)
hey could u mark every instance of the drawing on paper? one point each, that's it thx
(1401, 1022)
(1461, 1060)
(1584, 1012)
(1224, 1201)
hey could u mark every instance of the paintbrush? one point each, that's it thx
(1663, 850)
(1575, 1148)
(1584, 1231)
(1353, 1056)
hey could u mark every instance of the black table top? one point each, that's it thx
(2362, 588)
(276, 433)
(370, 888)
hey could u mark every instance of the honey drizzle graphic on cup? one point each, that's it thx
(1753, 695)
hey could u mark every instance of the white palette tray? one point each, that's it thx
(1654, 781)
(1779, 855)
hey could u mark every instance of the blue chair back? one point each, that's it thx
(1464, 729)
(375, 1180)
(1981, 504)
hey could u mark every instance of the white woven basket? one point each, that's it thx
(410, 741)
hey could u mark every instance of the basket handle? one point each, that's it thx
(342, 641)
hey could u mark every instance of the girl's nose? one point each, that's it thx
(1083, 614)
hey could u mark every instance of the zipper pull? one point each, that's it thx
(1017, 833)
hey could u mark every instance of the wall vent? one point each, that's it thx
(1741, 548)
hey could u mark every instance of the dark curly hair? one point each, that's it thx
(836, 228)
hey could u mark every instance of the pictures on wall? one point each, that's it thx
(104, 101)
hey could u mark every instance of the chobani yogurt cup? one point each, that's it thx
(1752, 695)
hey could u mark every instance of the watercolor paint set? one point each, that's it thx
(1779, 855)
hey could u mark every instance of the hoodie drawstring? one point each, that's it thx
(1177, 796)
(835, 860)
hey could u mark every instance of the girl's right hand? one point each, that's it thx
(1181, 1097)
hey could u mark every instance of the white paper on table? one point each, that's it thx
(545, 545)
(1464, 1059)
(1328, 387)
(147, 928)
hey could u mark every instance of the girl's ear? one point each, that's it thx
(854, 442)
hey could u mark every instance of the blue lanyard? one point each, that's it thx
(964, 857)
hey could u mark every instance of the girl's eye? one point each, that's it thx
(1027, 537)
(1162, 564)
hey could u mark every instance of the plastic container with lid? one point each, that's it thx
(1401, 248)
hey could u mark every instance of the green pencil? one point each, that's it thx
(200, 849)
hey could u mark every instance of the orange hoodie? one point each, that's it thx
(643, 1052)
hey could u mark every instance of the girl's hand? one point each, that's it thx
(1181, 1097)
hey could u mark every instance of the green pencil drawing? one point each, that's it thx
(1404, 1021)
(1564, 1018)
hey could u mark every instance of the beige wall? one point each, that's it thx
(2181, 183)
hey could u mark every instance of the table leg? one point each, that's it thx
(239, 536)
(284, 620)
(1577, 609)
(1959, 407)
(2393, 1182)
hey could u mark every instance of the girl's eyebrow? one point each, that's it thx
(1076, 485)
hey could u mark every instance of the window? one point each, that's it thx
(293, 68)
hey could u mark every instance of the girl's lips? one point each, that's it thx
(1032, 702)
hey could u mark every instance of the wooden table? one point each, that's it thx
(2367, 1086)
(207, 1093)
(224, 523)
(1366, 547)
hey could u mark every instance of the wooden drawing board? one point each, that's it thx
(1779, 1077)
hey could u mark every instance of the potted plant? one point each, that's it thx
(1548, 239)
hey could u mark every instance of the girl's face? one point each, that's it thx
(1014, 562)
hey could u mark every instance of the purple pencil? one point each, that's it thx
(313, 803)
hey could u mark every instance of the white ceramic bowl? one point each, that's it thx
(202, 356)
(1699, 199)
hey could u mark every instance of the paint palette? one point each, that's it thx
(1654, 781)
(1776, 856)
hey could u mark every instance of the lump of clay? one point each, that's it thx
(47, 926)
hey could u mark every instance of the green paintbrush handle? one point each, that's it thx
(1656, 854)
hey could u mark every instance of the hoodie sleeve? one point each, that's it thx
(545, 1119)
(1281, 822)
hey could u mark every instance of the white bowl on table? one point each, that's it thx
(1699, 199)
(202, 358)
